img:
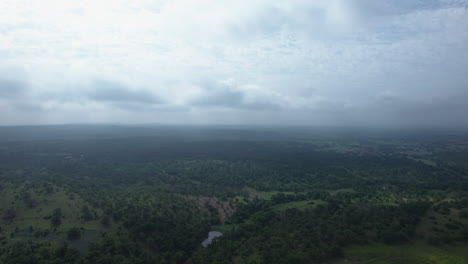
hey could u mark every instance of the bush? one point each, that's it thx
(74, 233)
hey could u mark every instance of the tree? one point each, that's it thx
(9, 215)
(56, 218)
(86, 213)
(105, 221)
(74, 233)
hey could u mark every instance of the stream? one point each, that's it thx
(211, 236)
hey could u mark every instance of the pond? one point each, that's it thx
(211, 235)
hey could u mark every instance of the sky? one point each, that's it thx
(386, 63)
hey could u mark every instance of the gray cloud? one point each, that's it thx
(220, 98)
(387, 8)
(106, 91)
(231, 96)
(11, 88)
(437, 111)
(365, 62)
(25, 107)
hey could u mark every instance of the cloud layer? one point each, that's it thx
(322, 62)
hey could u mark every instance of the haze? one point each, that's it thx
(331, 62)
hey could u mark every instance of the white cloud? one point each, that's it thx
(324, 61)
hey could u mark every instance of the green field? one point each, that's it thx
(30, 220)
(268, 195)
(301, 205)
(408, 253)
(225, 228)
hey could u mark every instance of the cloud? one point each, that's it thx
(299, 61)
(218, 97)
(228, 94)
(114, 92)
(11, 88)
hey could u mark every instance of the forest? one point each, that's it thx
(120, 194)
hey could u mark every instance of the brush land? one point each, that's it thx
(151, 194)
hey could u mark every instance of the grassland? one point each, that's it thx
(268, 195)
(408, 253)
(300, 205)
(32, 219)
(225, 228)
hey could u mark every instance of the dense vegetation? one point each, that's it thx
(100, 194)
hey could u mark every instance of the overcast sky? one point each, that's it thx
(301, 62)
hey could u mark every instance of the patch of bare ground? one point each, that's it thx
(224, 209)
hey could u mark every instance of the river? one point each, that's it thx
(211, 236)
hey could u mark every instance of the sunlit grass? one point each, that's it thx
(410, 253)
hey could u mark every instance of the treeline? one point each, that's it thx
(142, 191)
(312, 235)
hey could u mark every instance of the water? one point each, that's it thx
(211, 236)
